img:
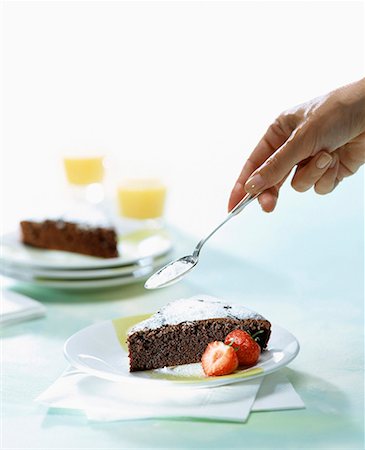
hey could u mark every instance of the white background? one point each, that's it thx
(183, 90)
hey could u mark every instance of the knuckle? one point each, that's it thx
(291, 117)
(321, 190)
(300, 133)
(271, 167)
(280, 127)
(326, 188)
(299, 185)
(273, 163)
(351, 160)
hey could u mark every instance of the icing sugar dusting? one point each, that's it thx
(173, 271)
(199, 307)
(185, 370)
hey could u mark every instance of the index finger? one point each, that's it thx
(274, 138)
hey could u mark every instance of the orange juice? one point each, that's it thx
(84, 170)
(141, 199)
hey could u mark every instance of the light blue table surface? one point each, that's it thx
(312, 287)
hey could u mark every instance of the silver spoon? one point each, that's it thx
(176, 270)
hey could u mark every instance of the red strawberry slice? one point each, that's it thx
(247, 349)
(219, 359)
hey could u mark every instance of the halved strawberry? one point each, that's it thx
(219, 359)
(247, 349)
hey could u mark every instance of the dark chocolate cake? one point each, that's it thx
(70, 237)
(180, 332)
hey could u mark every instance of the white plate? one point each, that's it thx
(138, 275)
(100, 350)
(31, 273)
(132, 247)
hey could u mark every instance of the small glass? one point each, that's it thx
(142, 201)
(85, 175)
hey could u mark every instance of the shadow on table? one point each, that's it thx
(79, 296)
(317, 393)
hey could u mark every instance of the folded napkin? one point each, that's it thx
(277, 393)
(104, 400)
(16, 307)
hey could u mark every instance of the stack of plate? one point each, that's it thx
(141, 253)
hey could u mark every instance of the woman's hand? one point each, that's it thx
(324, 139)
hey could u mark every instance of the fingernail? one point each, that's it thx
(323, 161)
(255, 184)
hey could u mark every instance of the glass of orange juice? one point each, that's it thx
(85, 174)
(142, 199)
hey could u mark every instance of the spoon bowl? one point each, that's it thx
(171, 272)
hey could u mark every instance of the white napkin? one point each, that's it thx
(277, 393)
(16, 307)
(104, 400)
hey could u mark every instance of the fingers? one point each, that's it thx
(298, 147)
(274, 137)
(329, 180)
(309, 174)
(268, 199)
(238, 191)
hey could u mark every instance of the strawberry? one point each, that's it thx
(247, 349)
(219, 359)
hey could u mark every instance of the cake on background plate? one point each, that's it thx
(180, 331)
(70, 236)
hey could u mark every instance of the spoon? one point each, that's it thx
(176, 270)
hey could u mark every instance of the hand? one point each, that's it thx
(324, 139)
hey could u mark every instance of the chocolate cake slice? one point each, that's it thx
(70, 237)
(180, 331)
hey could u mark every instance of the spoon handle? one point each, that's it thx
(247, 199)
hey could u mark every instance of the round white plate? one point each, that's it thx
(138, 275)
(14, 271)
(101, 350)
(132, 248)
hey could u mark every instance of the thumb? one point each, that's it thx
(279, 164)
